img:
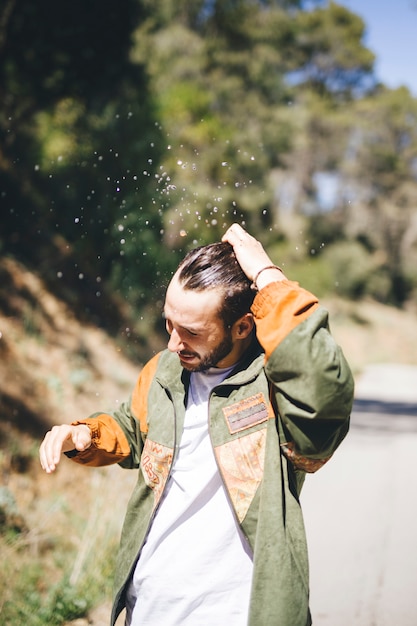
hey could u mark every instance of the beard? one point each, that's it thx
(211, 359)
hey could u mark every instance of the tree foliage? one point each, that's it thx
(131, 132)
(77, 139)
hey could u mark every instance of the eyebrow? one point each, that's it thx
(190, 329)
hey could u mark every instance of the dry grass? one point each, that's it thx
(63, 529)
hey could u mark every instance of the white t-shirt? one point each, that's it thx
(195, 568)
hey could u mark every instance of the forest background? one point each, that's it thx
(133, 131)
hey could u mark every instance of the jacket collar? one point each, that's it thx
(173, 376)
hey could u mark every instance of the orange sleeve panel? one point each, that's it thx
(278, 308)
(139, 403)
(109, 444)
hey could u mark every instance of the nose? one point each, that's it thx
(175, 343)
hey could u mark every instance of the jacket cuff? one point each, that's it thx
(285, 290)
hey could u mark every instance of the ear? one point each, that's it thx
(243, 326)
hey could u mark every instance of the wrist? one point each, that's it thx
(266, 275)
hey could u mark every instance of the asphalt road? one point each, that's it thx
(361, 510)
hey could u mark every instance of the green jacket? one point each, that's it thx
(282, 412)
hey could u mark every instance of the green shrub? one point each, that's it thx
(355, 271)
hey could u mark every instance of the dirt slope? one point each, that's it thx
(52, 369)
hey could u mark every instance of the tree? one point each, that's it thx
(77, 120)
(382, 174)
(330, 55)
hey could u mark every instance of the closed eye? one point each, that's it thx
(170, 327)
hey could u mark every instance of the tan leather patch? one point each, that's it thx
(246, 413)
(242, 466)
(155, 464)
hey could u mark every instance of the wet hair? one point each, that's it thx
(215, 267)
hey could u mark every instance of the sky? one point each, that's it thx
(391, 34)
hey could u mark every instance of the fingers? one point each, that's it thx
(236, 235)
(239, 238)
(249, 251)
(62, 439)
(232, 232)
(51, 447)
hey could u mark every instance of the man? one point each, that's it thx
(251, 393)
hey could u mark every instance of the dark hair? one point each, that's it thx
(215, 267)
